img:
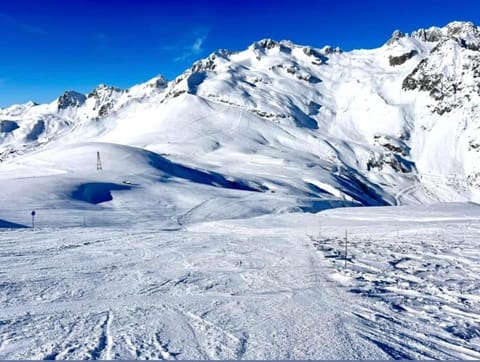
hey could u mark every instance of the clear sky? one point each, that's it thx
(47, 47)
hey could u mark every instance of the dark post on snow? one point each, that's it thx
(346, 243)
(99, 162)
(33, 218)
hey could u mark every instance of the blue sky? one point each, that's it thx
(51, 46)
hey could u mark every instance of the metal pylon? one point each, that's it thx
(99, 162)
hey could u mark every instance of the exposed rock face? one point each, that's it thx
(103, 91)
(395, 155)
(450, 74)
(71, 99)
(331, 50)
(392, 160)
(422, 80)
(266, 44)
(105, 98)
(393, 145)
(466, 33)
(158, 82)
(399, 60)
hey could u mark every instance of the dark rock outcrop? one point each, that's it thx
(71, 99)
(399, 60)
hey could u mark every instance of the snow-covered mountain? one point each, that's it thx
(398, 124)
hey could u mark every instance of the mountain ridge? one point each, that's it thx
(392, 125)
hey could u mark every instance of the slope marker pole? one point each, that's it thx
(33, 219)
(346, 243)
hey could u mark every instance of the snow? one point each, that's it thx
(215, 228)
(265, 287)
(419, 282)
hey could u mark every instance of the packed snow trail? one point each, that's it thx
(259, 288)
(99, 293)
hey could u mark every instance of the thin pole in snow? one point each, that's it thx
(346, 242)
(33, 219)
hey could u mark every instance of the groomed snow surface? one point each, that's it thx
(272, 286)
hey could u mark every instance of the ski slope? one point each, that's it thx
(265, 287)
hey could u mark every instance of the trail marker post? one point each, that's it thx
(33, 218)
(346, 243)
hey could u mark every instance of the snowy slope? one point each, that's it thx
(270, 287)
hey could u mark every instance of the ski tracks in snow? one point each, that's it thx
(415, 292)
(225, 291)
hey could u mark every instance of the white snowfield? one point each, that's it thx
(264, 287)
(213, 224)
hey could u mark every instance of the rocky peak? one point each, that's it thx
(31, 104)
(260, 48)
(451, 76)
(204, 65)
(466, 34)
(158, 82)
(222, 53)
(265, 44)
(328, 49)
(105, 98)
(397, 34)
(102, 91)
(71, 99)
